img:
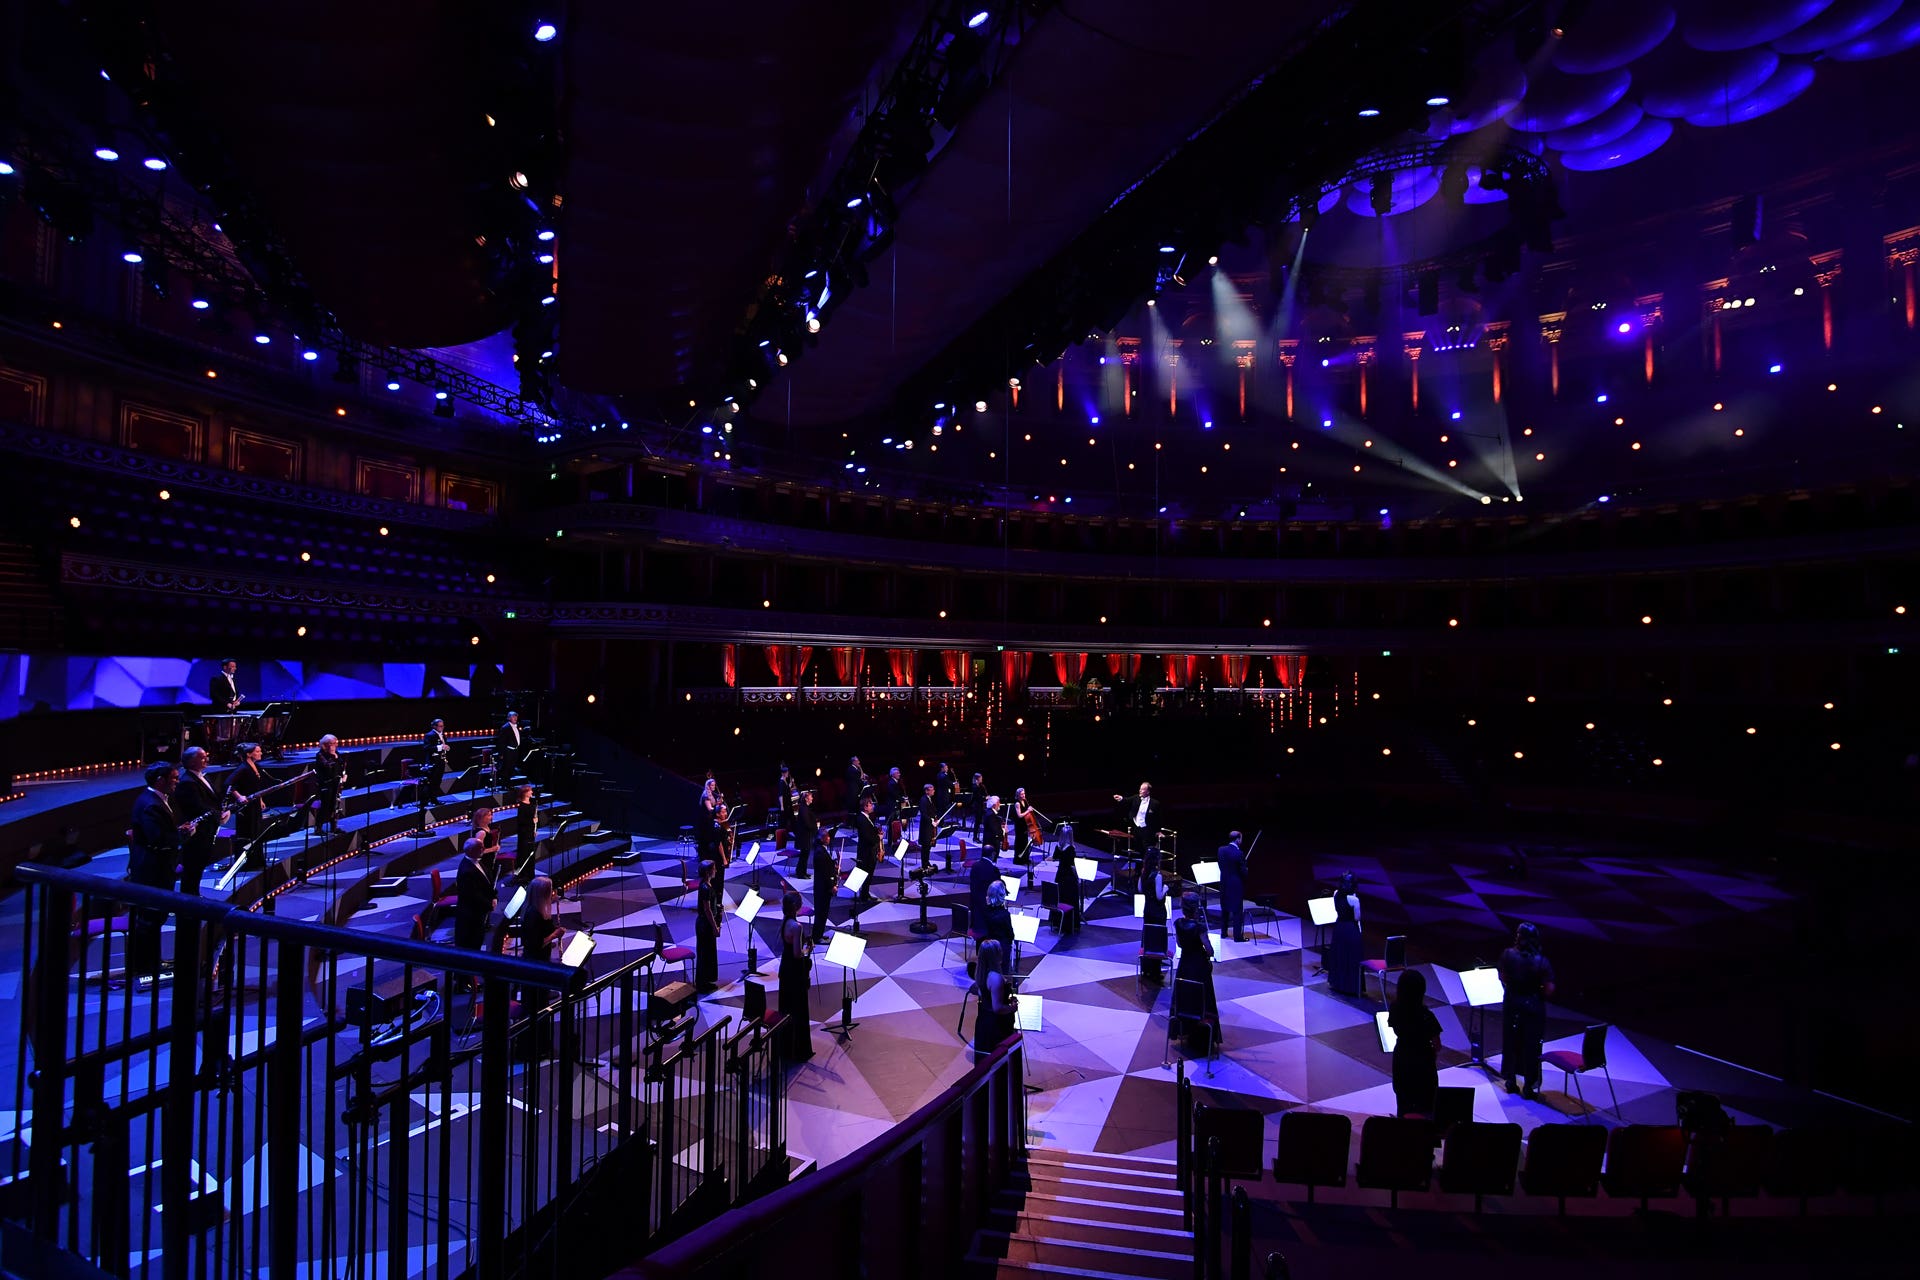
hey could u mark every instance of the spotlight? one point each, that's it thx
(200, 304)
(262, 339)
(1439, 100)
(393, 386)
(544, 235)
(1774, 368)
(132, 258)
(1368, 113)
(979, 406)
(154, 163)
(1623, 327)
(106, 153)
(856, 202)
(1213, 260)
(545, 32)
(7, 170)
(309, 355)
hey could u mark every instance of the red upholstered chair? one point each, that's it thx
(683, 956)
(1592, 1057)
(1312, 1149)
(1393, 962)
(1645, 1161)
(1564, 1160)
(440, 897)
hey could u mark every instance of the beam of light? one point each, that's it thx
(1387, 462)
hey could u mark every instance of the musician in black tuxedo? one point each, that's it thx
(784, 795)
(894, 804)
(223, 691)
(985, 872)
(929, 810)
(1139, 814)
(943, 786)
(805, 828)
(153, 851)
(507, 747)
(434, 743)
(1233, 888)
(977, 805)
(474, 898)
(330, 771)
(247, 780)
(196, 798)
(826, 881)
(866, 853)
(857, 784)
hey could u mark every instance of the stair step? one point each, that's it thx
(1090, 1203)
(1079, 1166)
(1005, 1266)
(1088, 1255)
(1113, 1188)
(1121, 1228)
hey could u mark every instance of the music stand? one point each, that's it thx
(1320, 914)
(1387, 1037)
(846, 950)
(900, 856)
(1483, 987)
(750, 904)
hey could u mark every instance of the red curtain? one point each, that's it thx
(788, 661)
(1014, 665)
(901, 660)
(956, 662)
(1123, 666)
(1069, 667)
(730, 664)
(847, 663)
(1233, 669)
(1291, 668)
(1181, 668)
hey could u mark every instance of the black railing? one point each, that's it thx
(308, 1100)
(906, 1205)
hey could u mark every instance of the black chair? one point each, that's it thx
(1154, 956)
(1564, 1160)
(1729, 1163)
(1312, 1149)
(1645, 1161)
(1806, 1164)
(1592, 1057)
(1481, 1160)
(1241, 1131)
(1188, 1010)
(1395, 961)
(1395, 1155)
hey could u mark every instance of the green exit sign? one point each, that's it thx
(511, 613)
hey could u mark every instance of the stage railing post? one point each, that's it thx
(284, 1094)
(1216, 1208)
(494, 1171)
(1183, 1143)
(177, 1183)
(49, 1080)
(1242, 1255)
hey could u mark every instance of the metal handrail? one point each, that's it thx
(302, 933)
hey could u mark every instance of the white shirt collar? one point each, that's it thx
(1140, 815)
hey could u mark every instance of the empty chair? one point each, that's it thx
(1393, 962)
(1645, 1161)
(1564, 1160)
(1312, 1149)
(1395, 1155)
(1481, 1160)
(1242, 1132)
(1187, 1013)
(1732, 1162)
(1591, 1057)
(1806, 1163)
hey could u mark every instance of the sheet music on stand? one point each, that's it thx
(1140, 906)
(1047, 873)
(1013, 888)
(846, 949)
(1026, 928)
(856, 878)
(1482, 986)
(518, 900)
(1206, 873)
(900, 850)
(1085, 868)
(1320, 910)
(1029, 1013)
(579, 947)
(1387, 1037)
(1217, 941)
(753, 851)
(750, 904)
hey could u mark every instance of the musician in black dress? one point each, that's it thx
(1528, 978)
(540, 931)
(435, 746)
(706, 821)
(330, 772)
(826, 881)
(928, 808)
(1233, 888)
(995, 1020)
(997, 921)
(526, 839)
(866, 854)
(796, 967)
(1066, 880)
(1344, 956)
(1416, 1049)
(196, 798)
(246, 781)
(507, 748)
(1022, 828)
(153, 852)
(1195, 965)
(223, 691)
(474, 898)
(706, 927)
(483, 831)
(805, 828)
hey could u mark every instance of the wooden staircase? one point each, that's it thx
(1071, 1214)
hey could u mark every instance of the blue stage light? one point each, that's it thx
(978, 20)
(393, 386)
(544, 235)
(1773, 368)
(200, 304)
(856, 202)
(7, 170)
(309, 355)
(154, 163)
(106, 153)
(545, 32)
(1601, 398)
(1368, 113)
(131, 256)
(1456, 415)
(262, 339)
(1437, 100)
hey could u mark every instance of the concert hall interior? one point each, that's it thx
(966, 638)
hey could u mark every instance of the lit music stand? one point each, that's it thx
(1321, 915)
(1483, 987)
(846, 950)
(750, 904)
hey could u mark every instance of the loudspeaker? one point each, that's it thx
(1428, 284)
